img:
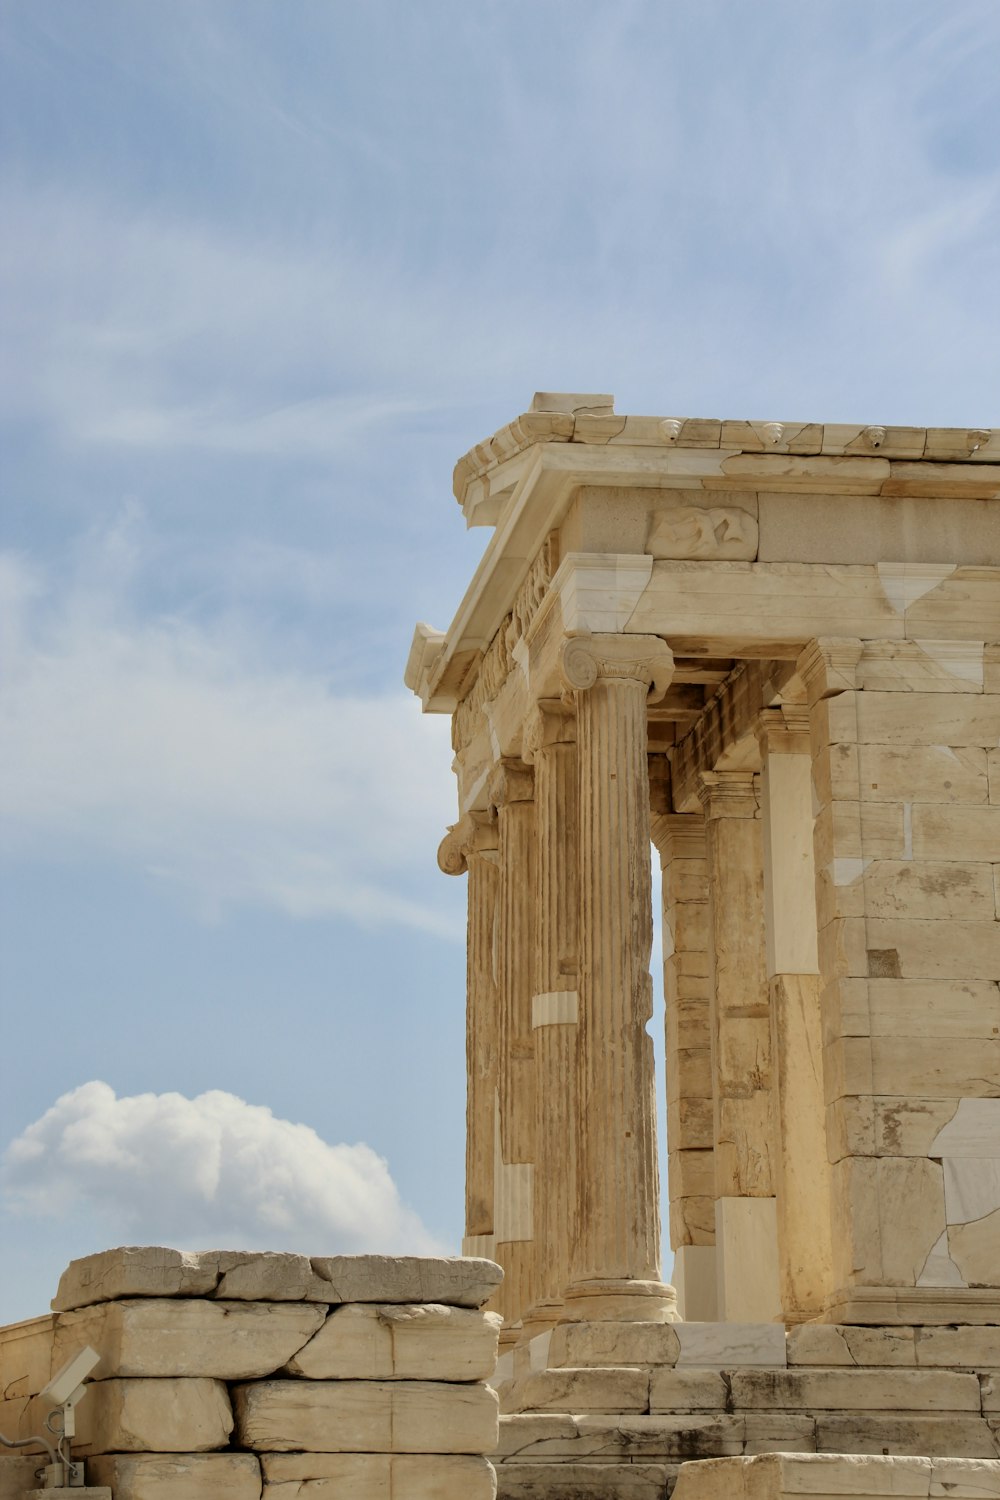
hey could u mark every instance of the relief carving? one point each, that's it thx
(691, 531)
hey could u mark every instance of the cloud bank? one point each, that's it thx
(208, 1172)
(174, 747)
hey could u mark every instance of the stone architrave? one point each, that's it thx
(511, 793)
(472, 846)
(616, 1263)
(550, 745)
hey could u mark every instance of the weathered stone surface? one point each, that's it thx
(829, 1344)
(856, 1390)
(582, 1345)
(188, 1336)
(365, 1416)
(154, 1416)
(686, 1390)
(134, 1271)
(369, 1341)
(581, 1481)
(376, 1476)
(617, 1389)
(17, 1474)
(277, 1276)
(940, 1437)
(180, 1476)
(252, 1276)
(25, 1356)
(454, 1282)
(773, 1476)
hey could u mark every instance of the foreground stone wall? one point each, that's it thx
(231, 1376)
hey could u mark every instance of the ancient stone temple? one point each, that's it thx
(767, 655)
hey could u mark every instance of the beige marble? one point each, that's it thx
(163, 1415)
(178, 1476)
(365, 1341)
(376, 1476)
(188, 1336)
(365, 1416)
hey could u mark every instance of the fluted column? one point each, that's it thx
(511, 792)
(471, 845)
(616, 1261)
(550, 743)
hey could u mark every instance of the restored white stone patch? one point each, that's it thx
(971, 1188)
(939, 1268)
(727, 1344)
(599, 591)
(538, 1351)
(904, 583)
(847, 871)
(973, 1130)
(472, 792)
(555, 1008)
(513, 1192)
(964, 659)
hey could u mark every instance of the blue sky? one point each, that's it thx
(268, 269)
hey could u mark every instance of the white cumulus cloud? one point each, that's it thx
(208, 1172)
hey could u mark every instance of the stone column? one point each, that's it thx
(802, 1168)
(680, 842)
(745, 1222)
(616, 1260)
(550, 744)
(511, 792)
(471, 845)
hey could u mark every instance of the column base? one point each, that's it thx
(619, 1301)
(541, 1317)
(912, 1305)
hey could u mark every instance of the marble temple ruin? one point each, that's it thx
(768, 655)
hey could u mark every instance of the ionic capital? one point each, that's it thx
(587, 659)
(476, 833)
(549, 722)
(829, 666)
(510, 781)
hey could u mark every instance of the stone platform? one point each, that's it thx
(578, 1427)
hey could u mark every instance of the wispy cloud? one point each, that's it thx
(208, 1171)
(169, 747)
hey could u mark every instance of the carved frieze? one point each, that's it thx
(678, 532)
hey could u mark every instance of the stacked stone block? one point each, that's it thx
(907, 783)
(612, 1412)
(236, 1376)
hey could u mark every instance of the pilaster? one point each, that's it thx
(746, 1240)
(802, 1170)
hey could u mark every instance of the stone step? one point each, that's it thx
(585, 1481)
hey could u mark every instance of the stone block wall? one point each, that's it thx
(237, 1376)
